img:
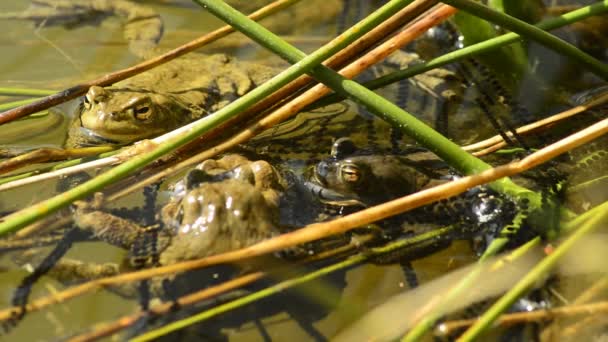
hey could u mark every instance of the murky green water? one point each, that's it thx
(54, 58)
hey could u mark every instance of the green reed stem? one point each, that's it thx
(426, 136)
(540, 270)
(469, 51)
(25, 92)
(508, 62)
(429, 320)
(14, 104)
(398, 245)
(529, 11)
(531, 32)
(28, 215)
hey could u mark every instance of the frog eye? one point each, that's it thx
(142, 113)
(342, 148)
(350, 173)
(87, 103)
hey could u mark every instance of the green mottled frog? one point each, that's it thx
(163, 99)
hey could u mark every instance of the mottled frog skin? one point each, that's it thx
(228, 204)
(162, 99)
(220, 206)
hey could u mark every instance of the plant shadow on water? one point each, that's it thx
(319, 176)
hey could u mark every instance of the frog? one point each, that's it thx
(370, 177)
(160, 100)
(219, 206)
(373, 178)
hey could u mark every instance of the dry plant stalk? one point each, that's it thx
(559, 328)
(198, 296)
(435, 16)
(410, 12)
(340, 225)
(451, 327)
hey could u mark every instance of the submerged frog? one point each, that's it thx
(221, 206)
(373, 178)
(163, 99)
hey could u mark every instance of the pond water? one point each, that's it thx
(54, 58)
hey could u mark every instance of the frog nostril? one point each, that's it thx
(322, 169)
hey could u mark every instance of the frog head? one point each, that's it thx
(370, 178)
(124, 115)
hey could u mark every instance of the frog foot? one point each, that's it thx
(81, 207)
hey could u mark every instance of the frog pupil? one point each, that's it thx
(142, 112)
(87, 103)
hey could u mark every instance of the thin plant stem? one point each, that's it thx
(448, 328)
(497, 139)
(25, 92)
(62, 169)
(15, 104)
(163, 308)
(434, 311)
(50, 155)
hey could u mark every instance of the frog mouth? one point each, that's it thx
(332, 197)
(93, 139)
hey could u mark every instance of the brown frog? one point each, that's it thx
(372, 178)
(222, 205)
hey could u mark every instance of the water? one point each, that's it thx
(54, 58)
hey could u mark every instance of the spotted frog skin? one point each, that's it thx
(160, 100)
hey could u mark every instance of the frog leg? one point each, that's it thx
(143, 243)
(115, 230)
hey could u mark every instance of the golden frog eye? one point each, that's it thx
(87, 102)
(350, 173)
(142, 113)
